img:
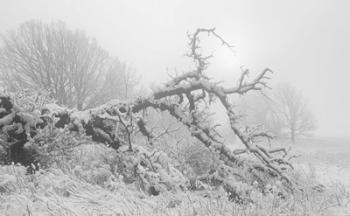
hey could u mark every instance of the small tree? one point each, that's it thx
(258, 109)
(282, 111)
(292, 110)
(66, 63)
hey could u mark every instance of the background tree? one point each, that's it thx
(72, 67)
(292, 110)
(257, 109)
(282, 111)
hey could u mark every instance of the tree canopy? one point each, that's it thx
(66, 63)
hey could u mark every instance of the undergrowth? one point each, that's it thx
(93, 180)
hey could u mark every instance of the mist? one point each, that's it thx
(160, 107)
(303, 42)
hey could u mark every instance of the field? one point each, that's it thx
(328, 159)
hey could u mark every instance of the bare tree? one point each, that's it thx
(66, 63)
(282, 111)
(291, 109)
(259, 109)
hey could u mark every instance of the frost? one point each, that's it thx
(7, 183)
(54, 108)
(81, 116)
(7, 119)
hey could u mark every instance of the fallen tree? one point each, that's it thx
(186, 97)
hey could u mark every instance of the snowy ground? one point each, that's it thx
(329, 160)
(56, 193)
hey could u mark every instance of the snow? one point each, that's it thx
(7, 119)
(7, 183)
(81, 116)
(54, 108)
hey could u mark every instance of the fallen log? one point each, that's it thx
(186, 97)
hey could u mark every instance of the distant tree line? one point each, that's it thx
(69, 65)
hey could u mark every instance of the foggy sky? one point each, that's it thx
(306, 42)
